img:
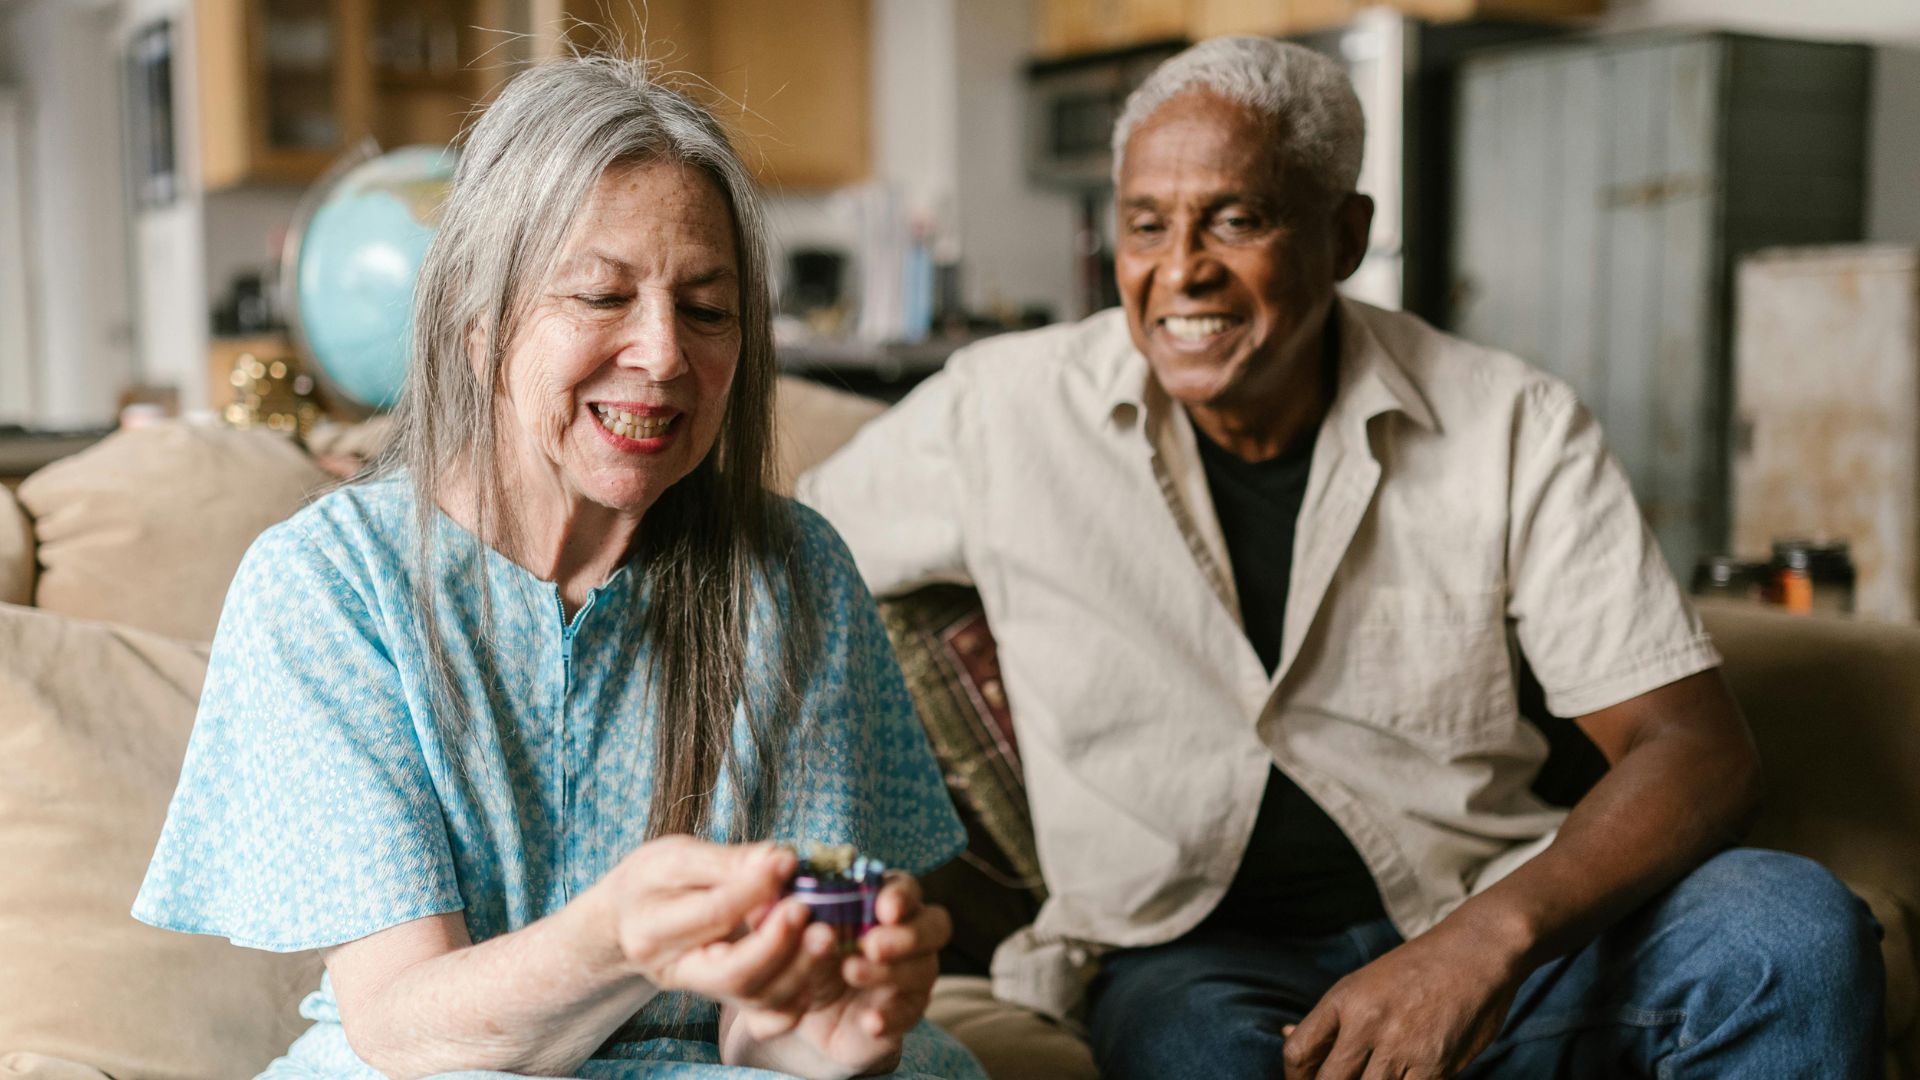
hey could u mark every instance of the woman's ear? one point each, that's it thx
(477, 350)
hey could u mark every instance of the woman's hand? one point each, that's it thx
(708, 919)
(882, 991)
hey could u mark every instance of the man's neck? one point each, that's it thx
(1276, 424)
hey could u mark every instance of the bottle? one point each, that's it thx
(1808, 576)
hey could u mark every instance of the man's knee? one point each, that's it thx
(1186, 1027)
(1791, 912)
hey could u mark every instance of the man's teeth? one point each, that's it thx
(1195, 328)
(629, 426)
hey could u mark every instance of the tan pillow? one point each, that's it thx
(16, 552)
(147, 527)
(41, 1067)
(811, 421)
(93, 726)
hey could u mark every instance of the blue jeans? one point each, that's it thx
(1757, 964)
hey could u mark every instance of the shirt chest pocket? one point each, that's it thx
(1432, 665)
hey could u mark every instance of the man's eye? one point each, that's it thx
(1239, 222)
(1145, 228)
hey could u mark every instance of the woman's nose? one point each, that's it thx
(652, 344)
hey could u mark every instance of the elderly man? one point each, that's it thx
(1265, 565)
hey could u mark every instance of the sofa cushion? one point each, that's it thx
(146, 527)
(1011, 1042)
(1835, 709)
(93, 725)
(16, 552)
(810, 422)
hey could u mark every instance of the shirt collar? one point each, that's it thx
(1372, 380)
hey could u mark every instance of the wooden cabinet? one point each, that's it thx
(287, 86)
(1070, 27)
(792, 82)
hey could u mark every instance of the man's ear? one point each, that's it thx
(1352, 225)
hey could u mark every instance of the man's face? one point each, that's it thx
(1227, 260)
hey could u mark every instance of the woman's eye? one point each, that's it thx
(712, 316)
(602, 301)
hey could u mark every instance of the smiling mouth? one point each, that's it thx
(1196, 328)
(630, 425)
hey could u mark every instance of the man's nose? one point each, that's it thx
(652, 342)
(1190, 265)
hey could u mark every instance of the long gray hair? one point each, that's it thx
(529, 164)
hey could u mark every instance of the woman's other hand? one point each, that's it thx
(708, 919)
(883, 990)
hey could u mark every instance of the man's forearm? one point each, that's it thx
(1677, 793)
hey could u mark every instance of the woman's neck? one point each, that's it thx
(554, 534)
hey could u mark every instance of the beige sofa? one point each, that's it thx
(113, 564)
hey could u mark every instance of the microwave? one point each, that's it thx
(1072, 105)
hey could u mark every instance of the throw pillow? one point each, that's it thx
(952, 667)
(146, 527)
(93, 726)
(16, 552)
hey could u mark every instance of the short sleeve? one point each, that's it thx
(869, 777)
(895, 492)
(1597, 612)
(305, 815)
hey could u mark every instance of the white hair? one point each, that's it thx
(1303, 94)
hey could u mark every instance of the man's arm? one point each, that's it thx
(897, 493)
(1684, 784)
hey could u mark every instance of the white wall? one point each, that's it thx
(169, 243)
(64, 58)
(1893, 167)
(1016, 241)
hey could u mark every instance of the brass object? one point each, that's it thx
(271, 392)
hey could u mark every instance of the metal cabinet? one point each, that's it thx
(1827, 428)
(1605, 188)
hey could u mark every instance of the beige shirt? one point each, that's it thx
(1460, 505)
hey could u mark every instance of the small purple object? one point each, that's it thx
(839, 887)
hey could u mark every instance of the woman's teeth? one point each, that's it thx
(630, 426)
(1195, 328)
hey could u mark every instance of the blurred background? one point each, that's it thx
(1702, 213)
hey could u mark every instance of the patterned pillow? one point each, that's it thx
(953, 672)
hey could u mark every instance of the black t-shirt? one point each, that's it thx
(1300, 875)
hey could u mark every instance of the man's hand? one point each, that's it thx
(884, 990)
(1421, 1012)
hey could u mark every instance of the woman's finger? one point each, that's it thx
(742, 968)
(900, 899)
(928, 932)
(793, 988)
(914, 975)
(673, 863)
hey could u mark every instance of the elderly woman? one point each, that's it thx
(503, 731)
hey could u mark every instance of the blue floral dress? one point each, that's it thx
(320, 802)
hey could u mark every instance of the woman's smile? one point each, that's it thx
(638, 429)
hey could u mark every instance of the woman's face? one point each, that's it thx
(618, 378)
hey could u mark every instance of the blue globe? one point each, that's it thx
(356, 262)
